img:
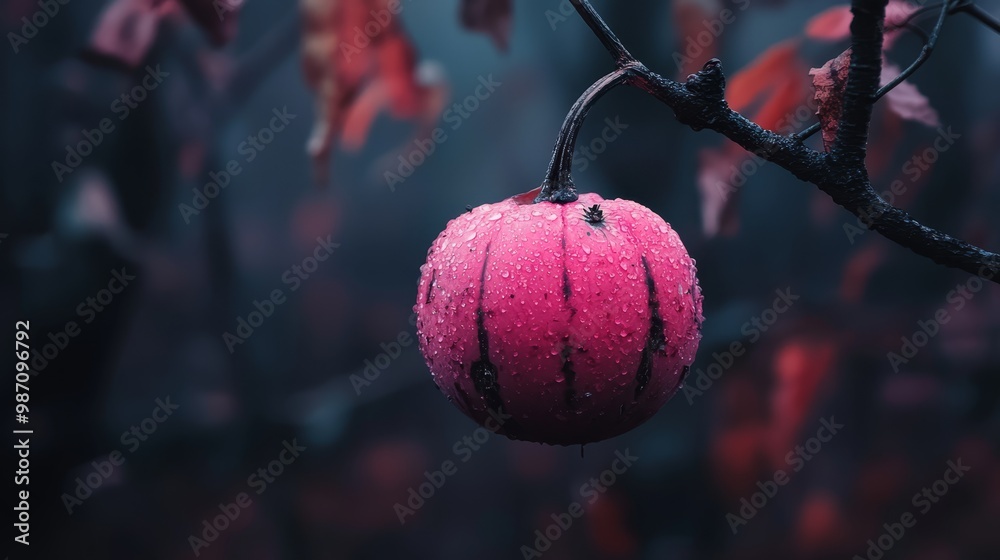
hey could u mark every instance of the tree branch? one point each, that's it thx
(851, 143)
(930, 41)
(700, 103)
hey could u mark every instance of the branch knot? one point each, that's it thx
(709, 82)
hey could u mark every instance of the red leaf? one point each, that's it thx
(357, 75)
(779, 62)
(492, 17)
(833, 24)
(800, 367)
(829, 82)
(779, 110)
(527, 197)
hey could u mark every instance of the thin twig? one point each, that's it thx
(925, 53)
(985, 18)
(603, 32)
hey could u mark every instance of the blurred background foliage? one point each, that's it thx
(196, 275)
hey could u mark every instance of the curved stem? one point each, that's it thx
(558, 184)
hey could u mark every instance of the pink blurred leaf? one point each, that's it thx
(906, 100)
(126, 30)
(718, 171)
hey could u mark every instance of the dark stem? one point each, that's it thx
(700, 103)
(863, 76)
(558, 184)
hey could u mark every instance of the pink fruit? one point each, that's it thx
(567, 323)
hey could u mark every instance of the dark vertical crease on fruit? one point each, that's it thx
(430, 287)
(484, 372)
(655, 339)
(567, 368)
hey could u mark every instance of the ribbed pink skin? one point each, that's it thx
(531, 252)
